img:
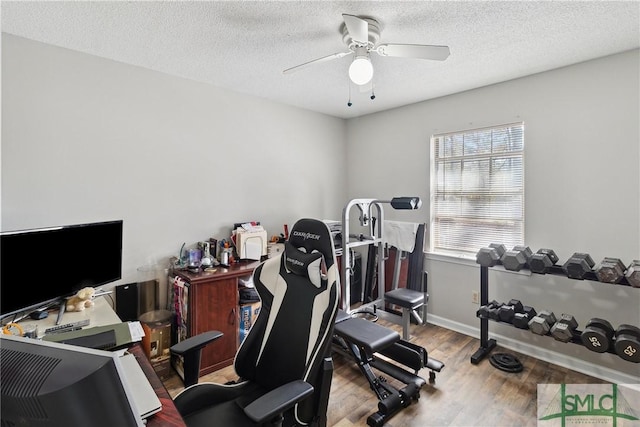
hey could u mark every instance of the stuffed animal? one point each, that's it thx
(81, 300)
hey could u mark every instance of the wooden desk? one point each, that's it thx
(99, 315)
(102, 314)
(169, 415)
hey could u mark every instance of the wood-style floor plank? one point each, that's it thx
(463, 394)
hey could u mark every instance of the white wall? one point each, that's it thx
(88, 139)
(582, 181)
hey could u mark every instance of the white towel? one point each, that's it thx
(400, 234)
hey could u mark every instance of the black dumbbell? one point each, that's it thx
(508, 311)
(541, 323)
(542, 261)
(627, 344)
(610, 270)
(483, 311)
(564, 328)
(494, 311)
(597, 335)
(633, 273)
(517, 258)
(578, 265)
(521, 320)
(490, 256)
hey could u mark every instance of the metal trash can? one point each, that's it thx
(157, 340)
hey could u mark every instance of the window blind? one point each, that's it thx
(477, 188)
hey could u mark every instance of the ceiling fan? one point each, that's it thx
(361, 35)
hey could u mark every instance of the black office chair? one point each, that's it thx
(284, 363)
(190, 350)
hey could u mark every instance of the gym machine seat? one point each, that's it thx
(409, 301)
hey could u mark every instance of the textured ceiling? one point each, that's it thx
(245, 46)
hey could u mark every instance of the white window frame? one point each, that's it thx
(454, 215)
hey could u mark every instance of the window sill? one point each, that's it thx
(469, 261)
(451, 257)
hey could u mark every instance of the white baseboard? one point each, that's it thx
(559, 359)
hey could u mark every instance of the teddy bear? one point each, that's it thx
(81, 300)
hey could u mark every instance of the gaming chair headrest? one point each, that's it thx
(304, 264)
(314, 236)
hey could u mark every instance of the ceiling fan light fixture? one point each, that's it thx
(361, 70)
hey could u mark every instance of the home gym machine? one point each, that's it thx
(364, 340)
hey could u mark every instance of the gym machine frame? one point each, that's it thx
(366, 341)
(375, 224)
(486, 344)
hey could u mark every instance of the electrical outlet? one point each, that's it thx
(475, 297)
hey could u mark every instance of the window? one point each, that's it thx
(477, 189)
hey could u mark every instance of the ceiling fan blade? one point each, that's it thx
(358, 28)
(436, 53)
(317, 61)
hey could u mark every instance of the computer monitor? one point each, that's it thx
(45, 264)
(52, 384)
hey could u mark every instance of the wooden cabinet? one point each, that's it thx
(213, 305)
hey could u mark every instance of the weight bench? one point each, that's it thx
(365, 341)
(409, 301)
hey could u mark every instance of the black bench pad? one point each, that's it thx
(366, 334)
(407, 298)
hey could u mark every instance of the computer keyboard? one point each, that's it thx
(105, 340)
(67, 327)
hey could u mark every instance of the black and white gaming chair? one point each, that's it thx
(284, 363)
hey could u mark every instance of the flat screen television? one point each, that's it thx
(53, 384)
(41, 265)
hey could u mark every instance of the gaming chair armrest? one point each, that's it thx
(195, 342)
(278, 400)
(190, 349)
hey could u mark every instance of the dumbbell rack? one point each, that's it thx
(486, 344)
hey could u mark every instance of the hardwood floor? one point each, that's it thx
(463, 394)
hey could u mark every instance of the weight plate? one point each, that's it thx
(595, 340)
(603, 325)
(506, 362)
(628, 348)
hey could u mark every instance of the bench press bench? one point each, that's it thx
(364, 341)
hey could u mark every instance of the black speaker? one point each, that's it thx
(127, 302)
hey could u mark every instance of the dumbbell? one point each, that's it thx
(494, 311)
(610, 270)
(597, 335)
(541, 323)
(521, 320)
(627, 344)
(542, 261)
(564, 328)
(507, 311)
(490, 256)
(633, 273)
(483, 311)
(517, 258)
(578, 265)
